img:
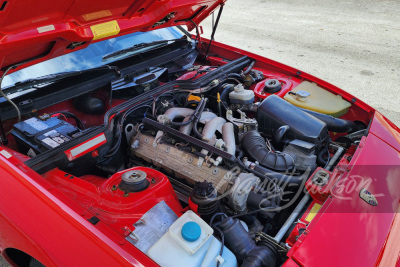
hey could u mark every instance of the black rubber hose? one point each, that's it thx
(334, 124)
(272, 179)
(321, 157)
(249, 68)
(255, 146)
(197, 118)
(192, 117)
(67, 114)
(262, 175)
(239, 241)
(118, 130)
(224, 94)
(235, 76)
(265, 173)
(260, 256)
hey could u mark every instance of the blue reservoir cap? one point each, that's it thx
(191, 231)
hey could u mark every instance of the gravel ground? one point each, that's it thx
(354, 45)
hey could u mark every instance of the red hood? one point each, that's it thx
(37, 30)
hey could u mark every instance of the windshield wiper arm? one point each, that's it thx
(143, 45)
(45, 79)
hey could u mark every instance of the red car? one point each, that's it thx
(127, 141)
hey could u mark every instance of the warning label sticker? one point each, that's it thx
(104, 30)
(152, 226)
(50, 142)
(314, 210)
(38, 125)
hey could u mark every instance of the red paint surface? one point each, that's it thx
(70, 21)
(113, 207)
(287, 83)
(348, 231)
(301, 225)
(46, 216)
(40, 220)
(386, 130)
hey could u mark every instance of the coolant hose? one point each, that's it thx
(255, 146)
(334, 124)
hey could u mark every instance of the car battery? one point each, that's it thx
(35, 136)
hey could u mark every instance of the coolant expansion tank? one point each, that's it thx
(312, 97)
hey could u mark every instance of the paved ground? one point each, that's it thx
(353, 44)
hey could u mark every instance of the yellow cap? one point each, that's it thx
(194, 98)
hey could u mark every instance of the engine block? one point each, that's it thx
(182, 164)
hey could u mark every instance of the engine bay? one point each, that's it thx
(242, 148)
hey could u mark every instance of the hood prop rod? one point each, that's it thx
(215, 27)
(3, 133)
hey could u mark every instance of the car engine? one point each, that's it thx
(227, 147)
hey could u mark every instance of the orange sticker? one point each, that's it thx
(97, 15)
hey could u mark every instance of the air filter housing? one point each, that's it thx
(275, 112)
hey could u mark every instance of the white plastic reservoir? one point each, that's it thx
(189, 242)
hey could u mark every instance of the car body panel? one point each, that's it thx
(385, 130)
(35, 31)
(51, 227)
(351, 232)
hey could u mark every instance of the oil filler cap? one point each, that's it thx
(191, 231)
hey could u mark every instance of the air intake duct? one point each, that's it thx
(255, 146)
(238, 240)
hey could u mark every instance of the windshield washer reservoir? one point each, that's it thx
(189, 242)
